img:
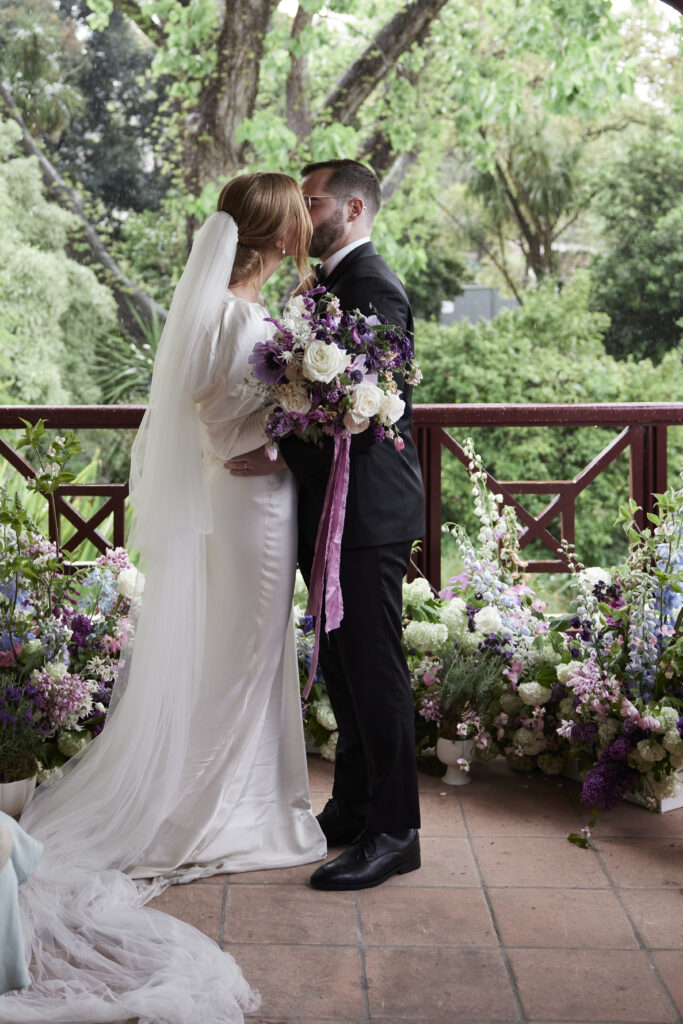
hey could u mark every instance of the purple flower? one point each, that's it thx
(268, 362)
(606, 784)
(619, 749)
(81, 627)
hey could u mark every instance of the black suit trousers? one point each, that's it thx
(368, 683)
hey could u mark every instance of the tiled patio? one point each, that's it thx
(506, 921)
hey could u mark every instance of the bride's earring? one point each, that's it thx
(283, 249)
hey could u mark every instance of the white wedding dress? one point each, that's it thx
(201, 765)
(245, 800)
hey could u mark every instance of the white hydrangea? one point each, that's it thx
(529, 742)
(324, 715)
(565, 671)
(551, 764)
(566, 707)
(607, 731)
(533, 693)
(650, 752)
(665, 788)
(417, 591)
(511, 703)
(668, 717)
(672, 740)
(329, 748)
(425, 636)
(453, 614)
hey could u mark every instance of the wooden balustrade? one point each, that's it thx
(640, 427)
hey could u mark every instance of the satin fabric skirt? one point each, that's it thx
(246, 803)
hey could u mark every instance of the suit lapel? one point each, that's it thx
(367, 249)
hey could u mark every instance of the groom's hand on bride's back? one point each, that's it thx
(256, 463)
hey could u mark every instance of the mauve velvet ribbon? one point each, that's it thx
(325, 569)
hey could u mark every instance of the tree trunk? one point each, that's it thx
(410, 24)
(298, 111)
(212, 150)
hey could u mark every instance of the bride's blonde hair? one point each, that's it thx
(265, 206)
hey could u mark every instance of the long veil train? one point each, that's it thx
(97, 954)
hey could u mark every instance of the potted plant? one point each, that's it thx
(469, 682)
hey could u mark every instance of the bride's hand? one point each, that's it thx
(256, 463)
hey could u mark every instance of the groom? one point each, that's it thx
(374, 805)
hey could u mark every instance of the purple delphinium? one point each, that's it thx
(81, 628)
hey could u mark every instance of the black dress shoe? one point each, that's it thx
(369, 861)
(340, 822)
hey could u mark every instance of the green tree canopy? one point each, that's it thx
(638, 280)
(53, 311)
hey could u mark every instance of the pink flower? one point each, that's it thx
(513, 673)
(9, 658)
(110, 644)
(399, 444)
(650, 722)
(463, 763)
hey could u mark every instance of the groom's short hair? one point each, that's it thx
(351, 178)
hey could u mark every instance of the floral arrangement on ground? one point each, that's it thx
(62, 628)
(601, 688)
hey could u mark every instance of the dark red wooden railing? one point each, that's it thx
(641, 426)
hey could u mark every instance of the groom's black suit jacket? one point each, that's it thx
(385, 503)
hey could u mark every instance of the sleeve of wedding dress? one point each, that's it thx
(234, 419)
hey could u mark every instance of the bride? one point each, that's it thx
(201, 765)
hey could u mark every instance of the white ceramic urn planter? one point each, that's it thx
(15, 795)
(449, 752)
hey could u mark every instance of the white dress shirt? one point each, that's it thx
(331, 262)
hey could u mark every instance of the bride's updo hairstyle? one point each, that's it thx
(266, 207)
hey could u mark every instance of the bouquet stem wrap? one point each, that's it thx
(325, 569)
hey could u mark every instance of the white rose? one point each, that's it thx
(533, 693)
(487, 620)
(354, 423)
(128, 582)
(293, 398)
(390, 408)
(594, 574)
(323, 362)
(366, 399)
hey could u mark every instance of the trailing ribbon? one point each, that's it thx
(325, 569)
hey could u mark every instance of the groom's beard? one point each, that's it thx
(327, 234)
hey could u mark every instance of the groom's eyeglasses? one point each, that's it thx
(310, 200)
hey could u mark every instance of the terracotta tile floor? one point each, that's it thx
(505, 922)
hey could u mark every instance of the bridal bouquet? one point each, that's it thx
(329, 372)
